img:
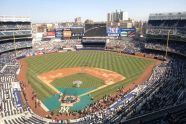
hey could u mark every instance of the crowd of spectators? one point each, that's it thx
(170, 89)
(55, 45)
(175, 29)
(129, 47)
(161, 31)
(165, 88)
(17, 45)
(167, 23)
(174, 47)
(10, 112)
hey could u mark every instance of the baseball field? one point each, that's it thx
(100, 73)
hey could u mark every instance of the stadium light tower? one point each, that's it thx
(168, 36)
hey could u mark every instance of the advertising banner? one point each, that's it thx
(113, 35)
(77, 34)
(124, 34)
(59, 33)
(113, 30)
(51, 33)
(127, 29)
(130, 32)
(77, 31)
(67, 34)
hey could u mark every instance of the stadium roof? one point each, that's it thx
(168, 16)
(14, 19)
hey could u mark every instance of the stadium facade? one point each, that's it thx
(167, 32)
(15, 33)
(159, 25)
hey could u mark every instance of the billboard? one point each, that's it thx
(130, 32)
(123, 32)
(59, 33)
(77, 31)
(77, 34)
(51, 33)
(95, 30)
(127, 29)
(113, 35)
(113, 30)
(67, 33)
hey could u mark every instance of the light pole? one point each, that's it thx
(168, 36)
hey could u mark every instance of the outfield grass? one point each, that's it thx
(88, 81)
(128, 66)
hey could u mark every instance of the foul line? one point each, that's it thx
(101, 87)
(49, 85)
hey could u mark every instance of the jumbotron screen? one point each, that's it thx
(96, 29)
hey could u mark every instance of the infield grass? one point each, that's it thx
(88, 81)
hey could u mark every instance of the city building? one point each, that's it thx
(88, 21)
(39, 28)
(77, 20)
(121, 24)
(117, 16)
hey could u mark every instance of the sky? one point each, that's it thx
(44, 11)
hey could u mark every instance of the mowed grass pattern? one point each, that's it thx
(128, 66)
(88, 81)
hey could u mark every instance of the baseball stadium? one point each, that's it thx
(119, 71)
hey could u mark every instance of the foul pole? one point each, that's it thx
(168, 36)
(14, 44)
